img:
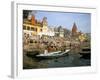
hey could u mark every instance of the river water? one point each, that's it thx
(72, 60)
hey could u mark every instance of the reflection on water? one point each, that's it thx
(72, 60)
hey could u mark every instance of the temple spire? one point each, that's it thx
(74, 29)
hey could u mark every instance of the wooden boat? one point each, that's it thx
(52, 54)
(86, 53)
(32, 53)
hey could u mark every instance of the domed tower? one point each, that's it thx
(45, 24)
(74, 30)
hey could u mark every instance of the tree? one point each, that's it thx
(25, 13)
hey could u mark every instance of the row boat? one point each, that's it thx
(52, 54)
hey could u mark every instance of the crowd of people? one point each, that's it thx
(49, 43)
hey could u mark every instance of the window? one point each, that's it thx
(32, 29)
(24, 27)
(36, 29)
(41, 30)
(28, 28)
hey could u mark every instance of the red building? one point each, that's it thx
(33, 20)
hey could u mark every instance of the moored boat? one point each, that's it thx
(86, 53)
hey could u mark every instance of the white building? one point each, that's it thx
(48, 32)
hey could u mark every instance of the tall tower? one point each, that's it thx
(74, 30)
(61, 31)
(33, 20)
(45, 24)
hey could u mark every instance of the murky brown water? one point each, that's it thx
(72, 60)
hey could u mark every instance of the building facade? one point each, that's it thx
(33, 26)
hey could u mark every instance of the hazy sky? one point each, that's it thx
(82, 20)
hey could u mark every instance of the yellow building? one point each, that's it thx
(34, 30)
(35, 27)
(82, 37)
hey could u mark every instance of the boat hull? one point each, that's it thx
(61, 54)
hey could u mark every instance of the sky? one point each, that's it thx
(66, 19)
